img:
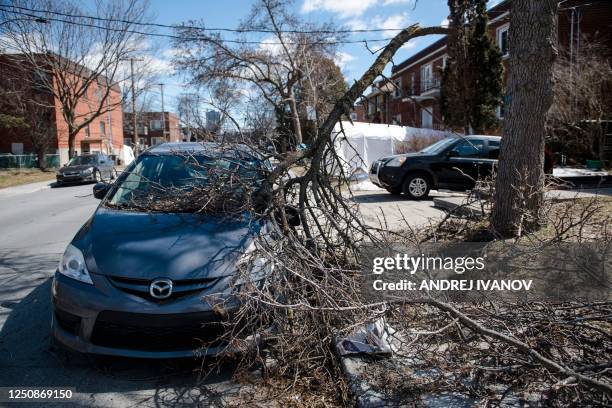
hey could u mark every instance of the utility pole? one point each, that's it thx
(163, 113)
(134, 123)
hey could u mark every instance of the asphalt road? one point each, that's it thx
(35, 228)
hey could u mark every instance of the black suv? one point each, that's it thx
(451, 163)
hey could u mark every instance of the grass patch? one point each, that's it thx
(15, 177)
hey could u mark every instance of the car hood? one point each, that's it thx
(176, 246)
(79, 167)
(407, 155)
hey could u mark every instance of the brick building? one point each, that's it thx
(414, 100)
(103, 134)
(151, 128)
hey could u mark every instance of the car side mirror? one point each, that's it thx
(100, 190)
(452, 153)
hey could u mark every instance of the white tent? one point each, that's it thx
(360, 144)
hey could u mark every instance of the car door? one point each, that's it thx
(465, 159)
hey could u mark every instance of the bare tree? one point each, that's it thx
(274, 67)
(582, 101)
(520, 178)
(75, 56)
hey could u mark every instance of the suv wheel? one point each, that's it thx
(417, 186)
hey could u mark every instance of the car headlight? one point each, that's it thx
(396, 162)
(73, 265)
(88, 171)
(258, 266)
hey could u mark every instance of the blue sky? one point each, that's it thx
(354, 59)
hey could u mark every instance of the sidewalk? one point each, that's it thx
(25, 188)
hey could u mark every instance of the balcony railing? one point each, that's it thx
(429, 84)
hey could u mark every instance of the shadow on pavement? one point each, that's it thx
(385, 197)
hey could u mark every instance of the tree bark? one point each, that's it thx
(295, 117)
(520, 177)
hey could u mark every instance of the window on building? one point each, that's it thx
(503, 40)
(87, 131)
(157, 140)
(370, 107)
(102, 128)
(501, 109)
(426, 77)
(397, 119)
(397, 88)
(127, 141)
(353, 116)
(413, 84)
(141, 141)
(156, 124)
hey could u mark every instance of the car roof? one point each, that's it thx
(207, 148)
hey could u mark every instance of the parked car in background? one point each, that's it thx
(132, 281)
(451, 163)
(87, 167)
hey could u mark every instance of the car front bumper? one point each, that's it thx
(74, 178)
(102, 319)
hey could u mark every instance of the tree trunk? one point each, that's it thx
(71, 142)
(42, 160)
(295, 117)
(520, 177)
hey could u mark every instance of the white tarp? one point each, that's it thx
(360, 144)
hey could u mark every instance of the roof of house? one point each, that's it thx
(494, 12)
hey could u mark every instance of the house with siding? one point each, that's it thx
(413, 98)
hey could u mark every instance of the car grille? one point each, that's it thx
(173, 332)
(180, 288)
(71, 174)
(68, 321)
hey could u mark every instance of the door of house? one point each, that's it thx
(426, 117)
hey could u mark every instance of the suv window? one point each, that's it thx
(493, 149)
(469, 148)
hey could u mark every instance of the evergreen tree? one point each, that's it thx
(472, 80)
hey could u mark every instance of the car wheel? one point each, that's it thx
(96, 176)
(395, 191)
(417, 186)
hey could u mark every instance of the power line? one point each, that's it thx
(211, 29)
(194, 38)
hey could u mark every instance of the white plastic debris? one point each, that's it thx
(374, 338)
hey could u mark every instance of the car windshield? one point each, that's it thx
(188, 183)
(79, 160)
(439, 146)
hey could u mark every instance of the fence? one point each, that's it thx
(26, 161)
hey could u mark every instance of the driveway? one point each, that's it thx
(382, 209)
(34, 230)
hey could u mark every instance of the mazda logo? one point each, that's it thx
(160, 288)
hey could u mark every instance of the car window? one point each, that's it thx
(156, 177)
(493, 149)
(78, 160)
(469, 148)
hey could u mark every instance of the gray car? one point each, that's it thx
(87, 167)
(133, 281)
